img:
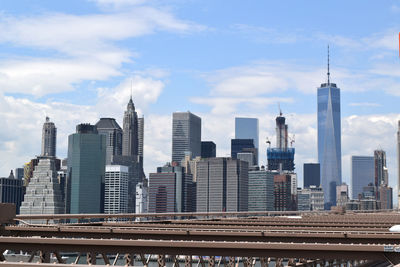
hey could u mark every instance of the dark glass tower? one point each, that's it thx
(86, 170)
(113, 133)
(329, 139)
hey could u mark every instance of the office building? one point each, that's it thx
(12, 191)
(141, 139)
(311, 174)
(19, 173)
(247, 128)
(342, 195)
(141, 198)
(222, 185)
(190, 165)
(116, 189)
(86, 169)
(362, 173)
(171, 190)
(329, 139)
(49, 138)
(281, 157)
(43, 193)
(249, 157)
(186, 135)
(208, 149)
(398, 162)
(130, 137)
(311, 198)
(113, 133)
(244, 146)
(381, 171)
(385, 197)
(284, 199)
(261, 190)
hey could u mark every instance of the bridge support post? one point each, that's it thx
(231, 262)
(44, 256)
(188, 261)
(91, 258)
(59, 258)
(201, 261)
(144, 261)
(128, 259)
(291, 262)
(176, 261)
(278, 262)
(161, 260)
(211, 261)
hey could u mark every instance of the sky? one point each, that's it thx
(74, 61)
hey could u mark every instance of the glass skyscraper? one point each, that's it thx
(329, 140)
(362, 174)
(186, 135)
(247, 128)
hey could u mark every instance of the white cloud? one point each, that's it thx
(364, 104)
(81, 47)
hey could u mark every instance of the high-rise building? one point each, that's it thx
(116, 189)
(19, 173)
(43, 193)
(130, 143)
(49, 138)
(381, 171)
(222, 185)
(242, 145)
(12, 191)
(362, 173)
(113, 133)
(284, 199)
(186, 135)
(208, 149)
(398, 162)
(281, 157)
(86, 169)
(385, 197)
(249, 157)
(141, 139)
(311, 174)
(190, 165)
(171, 190)
(329, 139)
(261, 190)
(247, 128)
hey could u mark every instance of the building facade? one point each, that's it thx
(381, 171)
(12, 191)
(222, 185)
(49, 138)
(284, 199)
(86, 169)
(311, 174)
(311, 198)
(247, 128)
(342, 195)
(261, 190)
(43, 193)
(113, 133)
(142, 198)
(186, 135)
(329, 139)
(362, 173)
(243, 146)
(208, 149)
(116, 189)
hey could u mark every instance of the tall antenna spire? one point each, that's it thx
(328, 67)
(131, 87)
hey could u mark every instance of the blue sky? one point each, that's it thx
(74, 60)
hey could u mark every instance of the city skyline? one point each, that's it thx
(243, 67)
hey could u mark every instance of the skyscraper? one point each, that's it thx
(86, 169)
(208, 149)
(116, 189)
(113, 133)
(49, 138)
(222, 185)
(141, 139)
(398, 161)
(186, 135)
(362, 174)
(281, 157)
(261, 190)
(130, 145)
(329, 139)
(311, 174)
(247, 128)
(242, 145)
(381, 172)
